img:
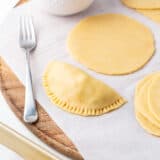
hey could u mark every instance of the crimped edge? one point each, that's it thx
(81, 111)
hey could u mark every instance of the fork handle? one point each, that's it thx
(30, 111)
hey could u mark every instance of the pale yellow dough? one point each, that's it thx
(112, 44)
(153, 14)
(141, 99)
(154, 97)
(147, 125)
(75, 91)
(142, 4)
(151, 8)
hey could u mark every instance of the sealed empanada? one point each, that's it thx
(75, 91)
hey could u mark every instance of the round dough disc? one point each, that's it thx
(112, 44)
(147, 125)
(141, 98)
(154, 97)
(142, 4)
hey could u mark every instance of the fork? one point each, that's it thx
(27, 41)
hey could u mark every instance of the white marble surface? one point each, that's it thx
(5, 7)
(112, 136)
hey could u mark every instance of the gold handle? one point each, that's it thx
(24, 147)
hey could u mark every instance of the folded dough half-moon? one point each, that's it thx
(75, 91)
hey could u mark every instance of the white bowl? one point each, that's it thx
(64, 7)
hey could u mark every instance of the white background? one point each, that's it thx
(5, 6)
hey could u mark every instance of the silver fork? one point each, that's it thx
(27, 40)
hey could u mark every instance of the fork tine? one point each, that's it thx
(27, 28)
(32, 31)
(22, 33)
(27, 37)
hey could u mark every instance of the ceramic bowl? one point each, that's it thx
(64, 7)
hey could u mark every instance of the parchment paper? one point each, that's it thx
(116, 135)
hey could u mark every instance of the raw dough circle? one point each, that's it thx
(154, 97)
(141, 98)
(112, 44)
(142, 4)
(147, 125)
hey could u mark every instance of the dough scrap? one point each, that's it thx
(111, 44)
(142, 4)
(77, 92)
(141, 97)
(147, 125)
(154, 97)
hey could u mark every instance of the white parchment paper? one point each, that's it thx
(112, 136)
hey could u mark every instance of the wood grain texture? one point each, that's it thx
(21, 2)
(45, 128)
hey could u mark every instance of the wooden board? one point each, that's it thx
(45, 128)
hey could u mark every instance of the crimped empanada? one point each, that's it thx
(75, 91)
